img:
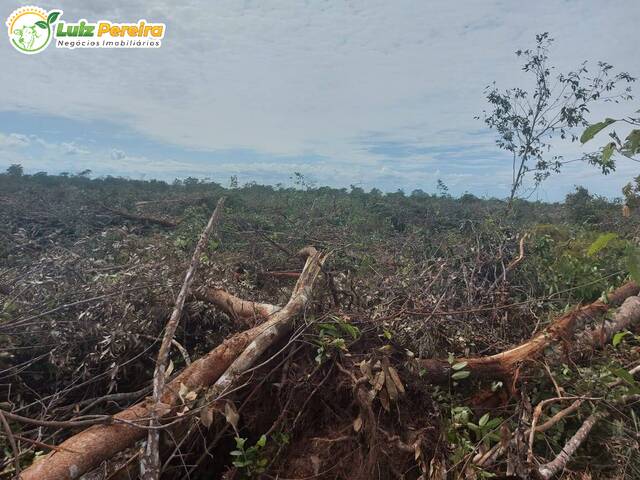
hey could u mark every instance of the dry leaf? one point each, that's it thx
(170, 368)
(231, 414)
(393, 373)
(183, 391)
(384, 399)
(162, 409)
(357, 423)
(365, 368)
(191, 396)
(206, 416)
(391, 390)
(417, 451)
(378, 382)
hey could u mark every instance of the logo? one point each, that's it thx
(32, 29)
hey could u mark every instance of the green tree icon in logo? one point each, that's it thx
(28, 35)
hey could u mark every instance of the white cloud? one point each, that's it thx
(72, 148)
(117, 154)
(13, 140)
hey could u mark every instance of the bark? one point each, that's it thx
(549, 470)
(150, 462)
(279, 325)
(234, 306)
(560, 333)
(88, 449)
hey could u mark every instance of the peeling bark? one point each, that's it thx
(561, 332)
(234, 306)
(88, 449)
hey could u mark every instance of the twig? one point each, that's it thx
(97, 419)
(549, 423)
(12, 442)
(548, 470)
(150, 461)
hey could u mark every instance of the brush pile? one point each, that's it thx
(311, 334)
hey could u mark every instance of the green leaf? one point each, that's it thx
(350, 330)
(483, 420)
(240, 442)
(607, 152)
(473, 427)
(601, 242)
(617, 338)
(633, 263)
(53, 16)
(461, 374)
(262, 441)
(494, 423)
(592, 130)
(632, 143)
(236, 453)
(459, 366)
(627, 378)
(41, 24)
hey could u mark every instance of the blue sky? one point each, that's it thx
(372, 93)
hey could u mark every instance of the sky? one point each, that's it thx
(364, 92)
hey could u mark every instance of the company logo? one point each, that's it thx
(32, 29)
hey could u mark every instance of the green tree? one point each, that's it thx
(527, 121)
(15, 170)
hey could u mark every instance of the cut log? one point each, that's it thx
(86, 450)
(563, 331)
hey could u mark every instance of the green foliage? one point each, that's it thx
(188, 232)
(601, 242)
(333, 336)
(580, 263)
(464, 434)
(592, 130)
(15, 170)
(526, 121)
(627, 148)
(633, 262)
(250, 461)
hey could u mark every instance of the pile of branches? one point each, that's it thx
(322, 384)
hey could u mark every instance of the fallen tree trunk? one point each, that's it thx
(141, 218)
(627, 316)
(562, 331)
(86, 450)
(278, 326)
(234, 306)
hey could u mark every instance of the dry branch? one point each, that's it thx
(141, 218)
(100, 442)
(627, 316)
(279, 324)
(234, 306)
(561, 332)
(549, 470)
(150, 462)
